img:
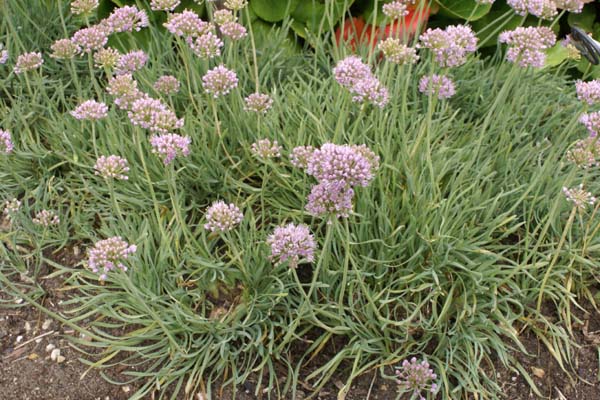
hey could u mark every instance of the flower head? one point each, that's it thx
(527, 45)
(167, 84)
(206, 46)
(233, 30)
(344, 163)
(219, 81)
(46, 218)
(291, 243)
(451, 45)
(28, 62)
(258, 103)
(579, 197)
(236, 5)
(439, 85)
(64, 49)
(330, 198)
(574, 6)
(112, 167)
(351, 70)
(415, 376)
(397, 52)
(3, 54)
(131, 62)
(223, 16)
(6, 144)
(106, 58)
(545, 9)
(90, 39)
(264, 149)
(301, 156)
(585, 152)
(591, 122)
(164, 5)
(169, 146)
(109, 254)
(153, 115)
(126, 19)
(187, 24)
(370, 90)
(222, 217)
(588, 92)
(90, 109)
(83, 6)
(124, 89)
(395, 9)
(11, 207)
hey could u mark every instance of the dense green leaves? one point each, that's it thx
(273, 10)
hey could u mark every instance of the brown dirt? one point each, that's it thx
(28, 373)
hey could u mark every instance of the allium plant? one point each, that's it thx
(83, 6)
(28, 62)
(527, 45)
(545, 9)
(265, 149)
(126, 19)
(164, 5)
(258, 103)
(154, 115)
(416, 377)
(219, 81)
(591, 122)
(330, 198)
(233, 30)
(6, 144)
(223, 16)
(91, 39)
(397, 52)
(64, 49)
(451, 45)
(109, 254)
(112, 167)
(573, 6)
(169, 146)
(222, 217)
(236, 5)
(332, 162)
(3, 55)
(356, 76)
(125, 91)
(46, 218)
(588, 92)
(585, 152)
(438, 85)
(90, 110)
(167, 84)
(396, 9)
(106, 57)
(301, 156)
(206, 46)
(131, 62)
(187, 24)
(11, 207)
(370, 90)
(351, 70)
(292, 244)
(579, 197)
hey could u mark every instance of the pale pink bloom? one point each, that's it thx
(126, 19)
(112, 167)
(258, 103)
(167, 84)
(219, 81)
(108, 254)
(28, 62)
(233, 30)
(6, 144)
(83, 6)
(46, 218)
(292, 243)
(206, 46)
(265, 149)
(169, 146)
(222, 217)
(91, 110)
(91, 39)
(187, 24)
(64, 49)
(164, 5)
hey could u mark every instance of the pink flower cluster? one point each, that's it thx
(219, 81)
(125, 91)
(28, 62)
(585, 152)
(6, 144)
(164, 5)
(395, 9)
(64, 49)
(330, 198)
(415, 376)
(46, 218)
(574, 6)
(233, 30)
(591, 122)
(169, 146)
(131, 62)
(91, 39)
(357, 77)
(527, 45)
(579, 197)
(222, 217)
(83, 6)
(112, 167)
(91, 110)
(126, 19)
(11, 207)
(3, 55)
(258, 103)
(187, 24)
(167, 84)
(206, 46)
(265, 149)
(106, 57)
(588, 92)
(449, 46)
(291, 243)
(545, 9)
(108, 254)
(438, 85)
(153, 115)
(397, 52)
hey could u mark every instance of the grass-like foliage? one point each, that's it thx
(461, 240)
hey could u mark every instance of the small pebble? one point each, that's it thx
(18, 301)
(125, 389)
(54, 355)
(27, 326)
(46, 324)
(19, 338)
(50, 347)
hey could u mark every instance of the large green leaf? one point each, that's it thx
(309, 14)
(556, 55)
(585, 19)
(468, 10)
(273, 10)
